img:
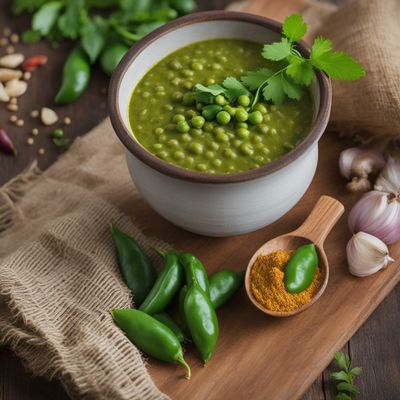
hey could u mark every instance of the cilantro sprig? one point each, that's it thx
(346, 388)
(291, 72)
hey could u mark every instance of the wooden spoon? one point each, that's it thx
(315, 229)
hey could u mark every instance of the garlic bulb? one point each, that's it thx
(377, 213)
(389, 178)
(360, 162)
(366, 254)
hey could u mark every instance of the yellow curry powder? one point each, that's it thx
(267, 283)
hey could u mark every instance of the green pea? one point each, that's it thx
(230, 110)
(196, 132)
(170, 75)
(158, 146)
(180, 109)
(159, 131)
(177, 96)
(214, 145)
(260, 107)
(216, 66)
(196, 148)
(188, 85)
(208, 126)
(197, 122)
(264, 129)
(183, 126)
(265, 150)
(188, 99)
(186, 137)
(288, 146)
(187, 73)
(160, 88)
(223, 118)
(176, 65)
(191, 114)
(241, 125)
(146, 95)
(176, 81)
(162, 138)
(237, 142)
(259, 159)
(201, 167)
(273, 131)
(221, 136)
(216, 162)
(210, 154)
(197, 66)
(256, 118)
(210, 81)
(222, 59)
(178, 117)
(243, 133)
(162, 154)
(58, 133)
(220, 100)
(241, 115)
(209, 112)
(179, 155)
(229, 153)
(246, 149)
(256, 139)
(168, 107)
(244, 100)
(173, 143)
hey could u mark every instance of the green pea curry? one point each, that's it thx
(170, 123)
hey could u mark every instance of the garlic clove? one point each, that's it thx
(358, 184)
(366, 254)
(346, 160)
(48, 116)
(389, 178)
(3, 94)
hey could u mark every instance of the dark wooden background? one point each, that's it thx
(375, 347)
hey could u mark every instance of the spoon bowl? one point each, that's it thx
(314, 230)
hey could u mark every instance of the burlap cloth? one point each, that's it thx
(58, 271)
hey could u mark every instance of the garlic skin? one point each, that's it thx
(377, 213)
(366, 254)
(389, 178)
(360, 162)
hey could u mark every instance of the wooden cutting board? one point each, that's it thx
(259, 357)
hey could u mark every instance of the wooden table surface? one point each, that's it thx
(375, 347)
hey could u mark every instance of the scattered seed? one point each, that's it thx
(67, 121)
(30, 141)
(10, 49)
(20, 122)
(34, 113)
(48, 116)
(13, 100)
(41, 151)
(12, 107)
(6, 74)
(14, 38)
(3, 94)
(35, 131)
(16, 88)
(4, 41)
(12, 60)
(13, 118)
(7, 31)
(27, 75)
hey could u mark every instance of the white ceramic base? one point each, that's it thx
(225, 209)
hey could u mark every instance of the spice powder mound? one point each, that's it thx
(267, 283)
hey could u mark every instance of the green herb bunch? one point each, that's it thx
(291, 71)
(96, 22)
(346, 388)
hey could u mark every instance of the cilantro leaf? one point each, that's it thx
(235, 88)
(278, 50)
(19, 6)
(31, 36)
(294, 28)
(274, 90)
(256, 78)
(94, 37)
(339, 65)
(206, 94)
(292, 90)
(320, 47)
(70, 22)
(44, 18)
(301, 71)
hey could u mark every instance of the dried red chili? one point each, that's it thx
(6, 145)
(33, 62)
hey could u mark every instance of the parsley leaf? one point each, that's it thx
(19, 6)
(320, 47)
(231, 88)
(301, 71)
(294, 28)
(94, 37)
(31, 36)
(70, 22)
(277, 51)
(234, 88)
(256, 78)
(292, 90)
(44, 18)
(274, 90)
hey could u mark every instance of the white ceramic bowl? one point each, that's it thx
(214, 204)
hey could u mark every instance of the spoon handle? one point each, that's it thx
(321, 220)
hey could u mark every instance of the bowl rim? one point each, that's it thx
(133, 146)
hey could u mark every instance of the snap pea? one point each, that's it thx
(167, 320)
(301, 269)
(150, 336)
(76, 74)
(136, 268)
(223, 284)
(111, 56)
(201, 319)
(168, 283)
(194, 268)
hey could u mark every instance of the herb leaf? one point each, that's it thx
(294, 28)
(44, 18)
(94, 37)
(31, 36)
(347, 387)
(274, 90)
(234, 88)
(256, 78)
(340, 376)
(320, 47)
(356, 371)
(292, 90)
(277, 51)
(301, 71)
(70, 22)
(343, 396)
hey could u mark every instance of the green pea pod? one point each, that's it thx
(150, 336)
(301, 269)
(136, 268)
(194, 268)
(182, 295)
(167, 320)
(111, 56)
(202, 321)
(76, 75)
(166, 286)
(223, 284)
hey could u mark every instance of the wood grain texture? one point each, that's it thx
(375, 346)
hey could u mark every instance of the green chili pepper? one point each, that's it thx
(182, 295)
(301, 269)
(223, 284)
(111, 56)
(194, 268)
(201, 319)
(167, 320)
(76, 74)
(136, 268)
(166, 286)
(150, 336)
